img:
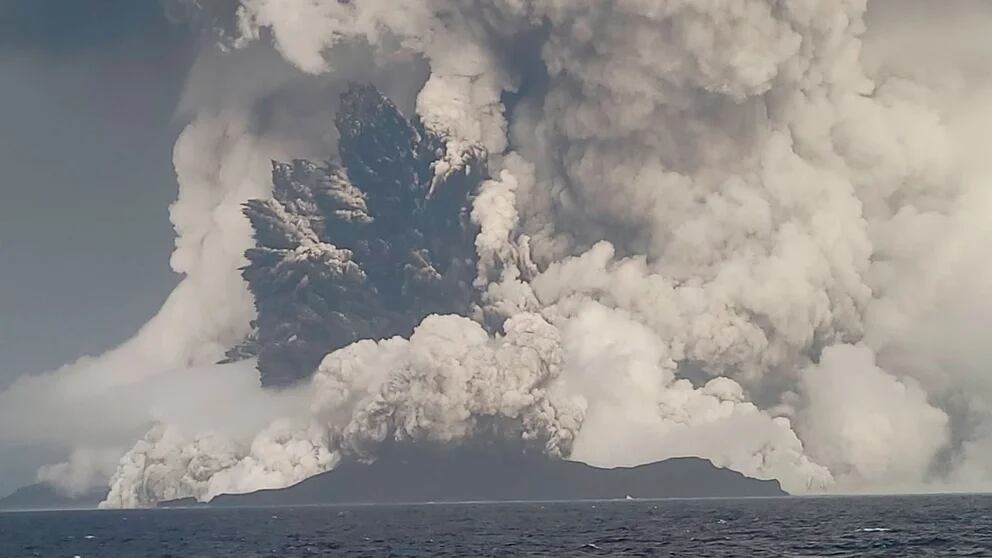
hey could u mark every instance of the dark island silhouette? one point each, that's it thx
(470, 475)
(421, 475)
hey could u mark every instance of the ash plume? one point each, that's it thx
(749, 231)
(360, 251)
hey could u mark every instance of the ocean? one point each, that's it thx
(952, 525)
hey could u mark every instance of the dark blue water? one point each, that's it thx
(899, 526)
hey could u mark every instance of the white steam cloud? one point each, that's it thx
(750, 231)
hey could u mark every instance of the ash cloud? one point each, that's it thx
(699, 231)
(362, 251)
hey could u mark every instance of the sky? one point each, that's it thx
(86, 151)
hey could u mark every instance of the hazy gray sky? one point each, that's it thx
(87, 100)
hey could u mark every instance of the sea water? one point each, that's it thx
(953, 525)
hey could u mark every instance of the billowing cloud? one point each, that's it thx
(743, 231)
(867, 426)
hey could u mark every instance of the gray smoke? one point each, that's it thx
(747, 230)
(363, 251)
